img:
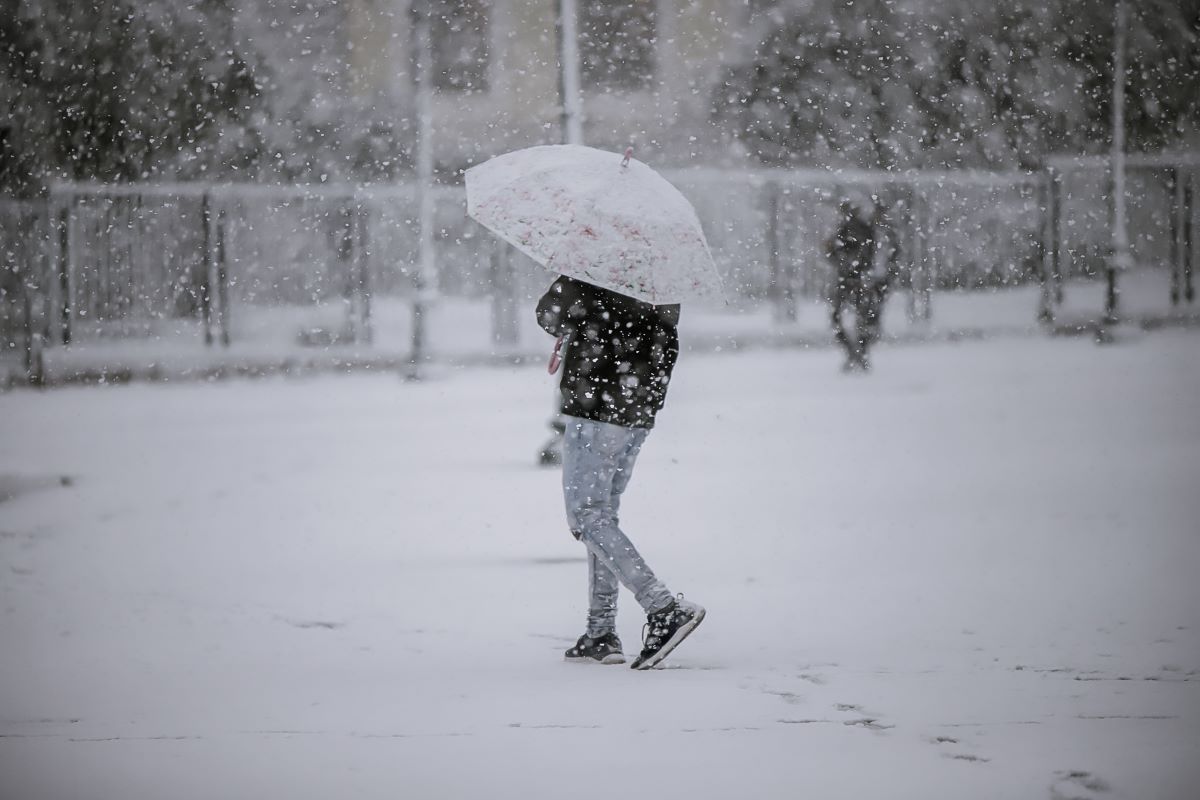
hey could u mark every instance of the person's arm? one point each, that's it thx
(560, 308)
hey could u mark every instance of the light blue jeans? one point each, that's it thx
(598, 461)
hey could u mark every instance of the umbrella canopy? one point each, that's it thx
(596, 216)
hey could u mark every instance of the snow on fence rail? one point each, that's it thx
(143, 260)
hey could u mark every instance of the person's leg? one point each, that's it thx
(603, 586)
(835, 319)
(840, 297)
(867, 323)
(598, 461)
(860, 343)
(878, 295)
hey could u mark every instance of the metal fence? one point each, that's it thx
(90, 262)
(946, 229)
(1163, 218)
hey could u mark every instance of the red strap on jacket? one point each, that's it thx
(555, 357)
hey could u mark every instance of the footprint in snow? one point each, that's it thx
(859, 718)
(862, 718)
(950, 746)
(310, 624)
(788, 697)
(1077, 785)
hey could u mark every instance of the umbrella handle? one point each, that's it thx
(628, 155)
(555, 357)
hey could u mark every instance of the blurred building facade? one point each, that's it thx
(647, 68)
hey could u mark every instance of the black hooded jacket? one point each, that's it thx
(619, 352)
(852, 249)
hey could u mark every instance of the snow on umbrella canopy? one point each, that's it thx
(595, 216)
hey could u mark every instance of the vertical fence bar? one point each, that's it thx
(774, 282)
(912, 224)
(31, 355)
(920, 282)
(363, 218)
(65, 273)
(925, 250)
(1178, 226)
(151, 286)
(18, 278)
(781, 289)
(36, 289)
(49, 271)
(1046, 268)
(100, 257)
(222, 277)
(932, 271)
(207, 268)
(1056, 233)
(1189, 237)
(346, 253)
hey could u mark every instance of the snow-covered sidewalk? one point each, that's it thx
(268, 340)
(972, 573)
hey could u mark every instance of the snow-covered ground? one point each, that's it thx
(974, 573)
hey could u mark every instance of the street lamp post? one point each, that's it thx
(424, 278)
(569, 87)
(1120, 258)
(568, 53)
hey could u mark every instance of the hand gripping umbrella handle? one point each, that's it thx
(555, 357)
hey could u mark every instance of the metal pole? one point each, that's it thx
(572, 99)
(569, 86)
(1120, 235)
(424, 278)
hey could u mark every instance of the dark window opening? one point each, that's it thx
(458, 34)
(616, 44)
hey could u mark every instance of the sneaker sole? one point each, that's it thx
(612, 658)
(684, 631)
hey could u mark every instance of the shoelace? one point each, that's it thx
(671, 609)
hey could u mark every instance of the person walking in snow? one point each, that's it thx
(618, 354)
(855, 287)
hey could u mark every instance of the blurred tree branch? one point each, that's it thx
(120, 90)
(915, 83)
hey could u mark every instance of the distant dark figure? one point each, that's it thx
(855, 286)
(551, 452)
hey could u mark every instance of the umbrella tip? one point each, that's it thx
(628, 155)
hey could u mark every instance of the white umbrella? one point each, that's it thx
(596, 216)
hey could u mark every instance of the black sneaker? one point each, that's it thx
(605, 650)
(665, 630)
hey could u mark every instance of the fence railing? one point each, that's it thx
(88, 261)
